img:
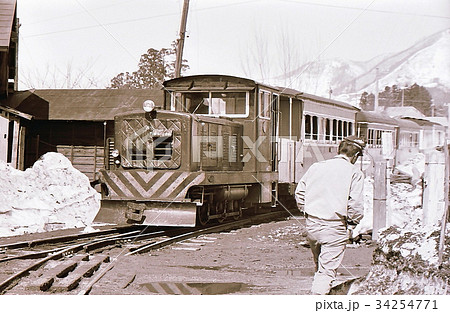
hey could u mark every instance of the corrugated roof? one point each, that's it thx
(7, 9)
(96, 104)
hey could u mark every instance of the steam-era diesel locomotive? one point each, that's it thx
(218, 145)
(210, 151)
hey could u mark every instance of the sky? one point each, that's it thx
(85, 43)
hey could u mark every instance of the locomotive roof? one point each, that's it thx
(213, 81)
(222, 82)
(95, 104)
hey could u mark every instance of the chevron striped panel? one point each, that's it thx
(150, 185)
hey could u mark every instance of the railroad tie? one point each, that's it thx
(45, 281)
(86, 269)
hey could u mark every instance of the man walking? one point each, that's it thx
(331, 194)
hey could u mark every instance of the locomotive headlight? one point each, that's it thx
(115, 153)
(148, 105)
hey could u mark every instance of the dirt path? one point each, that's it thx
(259, 260)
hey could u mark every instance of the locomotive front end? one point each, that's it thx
(148, 175)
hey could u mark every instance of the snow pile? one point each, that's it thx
(52, 194)
(413, 167)
(405, 204)
(406, 262)
(405, 201)
(406, 259)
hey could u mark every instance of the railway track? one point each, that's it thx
(74, 267)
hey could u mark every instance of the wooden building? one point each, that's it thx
(76, 122)
(13, 122)
(9, 34)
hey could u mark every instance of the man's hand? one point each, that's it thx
(349, 235)
(353, 236)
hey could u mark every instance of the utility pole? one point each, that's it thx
(180, 44)
(403, 96)
(376, 91)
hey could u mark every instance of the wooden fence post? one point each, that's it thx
(445, 216)
(379, 198)
(433, 192)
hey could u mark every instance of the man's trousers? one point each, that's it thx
(327, 239)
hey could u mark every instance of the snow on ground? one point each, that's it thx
(50, 195)
(406, 260)
(404, 204)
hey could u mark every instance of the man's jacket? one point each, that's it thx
(332, 190)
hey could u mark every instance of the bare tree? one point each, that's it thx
(54, 77)
(273, 60)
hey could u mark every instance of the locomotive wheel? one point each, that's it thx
(237, 208)
(220, 209)
(203, 214)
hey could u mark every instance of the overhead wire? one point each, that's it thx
(369, 10)
(130, 20)
(78, 12)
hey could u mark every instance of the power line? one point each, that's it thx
(80, 12)
(369, 10)
(133, 20)
(102, 25)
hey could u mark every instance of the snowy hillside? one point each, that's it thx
(426, 63)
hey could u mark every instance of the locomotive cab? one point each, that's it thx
(157, 160)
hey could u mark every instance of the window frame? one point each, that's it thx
(174, 94)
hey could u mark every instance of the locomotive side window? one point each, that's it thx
(228, 103)
(197, 102)
(232, 104)
(264, 104)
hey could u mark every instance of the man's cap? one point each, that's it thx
(356, 141)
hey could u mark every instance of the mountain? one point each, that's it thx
(426, 63)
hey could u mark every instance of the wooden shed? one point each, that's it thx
(77, 122)
(13, 125)
(9, 30)
(12, 121)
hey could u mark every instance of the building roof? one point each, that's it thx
(95, 104)
(407, 111)
(15, 112)
(7, 10)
